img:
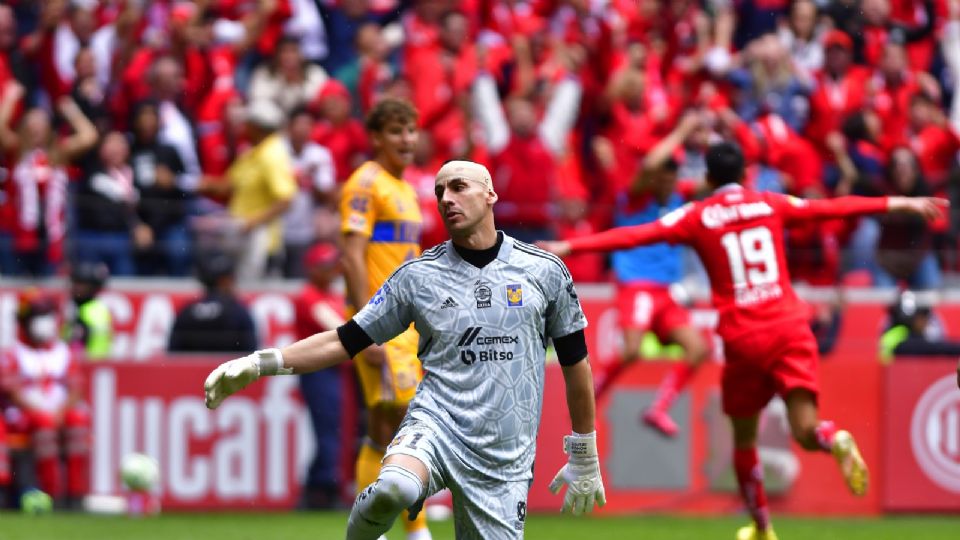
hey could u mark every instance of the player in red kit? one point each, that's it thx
(768, 345)
(42, 396)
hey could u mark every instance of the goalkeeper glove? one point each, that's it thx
(581, 474)
(231, 377)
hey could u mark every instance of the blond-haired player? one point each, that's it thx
(380, 227)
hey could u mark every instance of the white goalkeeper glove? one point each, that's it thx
(232, 376)
(581, 474)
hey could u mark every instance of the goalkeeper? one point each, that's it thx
(485, 306)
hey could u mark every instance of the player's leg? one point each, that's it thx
(76, 426)
(407, 477)
(746, 390)
(815, 434)
(635, 310)
(696, 353)
(795, 373)
(749, 472)
(387, 389)
(488, 509)
(46, 451)
(400, 484)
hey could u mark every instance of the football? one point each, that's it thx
(139, 472)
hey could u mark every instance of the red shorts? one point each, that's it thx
(772, 360)
(647, 306)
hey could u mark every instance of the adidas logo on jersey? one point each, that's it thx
(449, 303)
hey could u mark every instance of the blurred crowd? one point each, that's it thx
(128, 126)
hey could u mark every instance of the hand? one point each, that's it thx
(560, 248)
(930, 208)
(581, 474)
(229, 378)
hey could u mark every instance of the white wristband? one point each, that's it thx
(580, 445)
(270, 362)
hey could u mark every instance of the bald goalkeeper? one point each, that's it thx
(485, 306)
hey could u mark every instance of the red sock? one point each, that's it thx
(47, 455)
(750, 478)
(671, 386)
(48, 475)
(825, 432)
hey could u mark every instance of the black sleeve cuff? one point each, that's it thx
(353, 338)
(571, 348)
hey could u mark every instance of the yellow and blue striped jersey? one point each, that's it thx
(385, 209)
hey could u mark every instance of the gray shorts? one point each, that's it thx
(484, 508)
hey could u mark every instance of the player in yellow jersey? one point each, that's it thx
(380, 227)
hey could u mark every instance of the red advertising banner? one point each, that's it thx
(251, 451)
(921, 436)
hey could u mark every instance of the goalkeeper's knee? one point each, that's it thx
(395, 490)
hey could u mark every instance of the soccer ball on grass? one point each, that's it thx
(139, 472)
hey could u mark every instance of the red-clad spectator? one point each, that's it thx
(268, 16)
(440, 78)
(879, 30)
(638, 120)
(62, 28)
(932, 139)
(839, 91)
(890, 90)
(39, 180)
(795, 157)
(337, 131)
(525, 153)
(224, 139)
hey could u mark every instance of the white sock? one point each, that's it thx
(377, 506)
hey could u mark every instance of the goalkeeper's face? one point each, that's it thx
(464, 204)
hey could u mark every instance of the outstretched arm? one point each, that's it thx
(610, 240)
(795, 210)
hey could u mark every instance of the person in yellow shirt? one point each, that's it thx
(261, 185)
(380, 227)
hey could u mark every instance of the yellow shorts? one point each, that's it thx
(396, 381)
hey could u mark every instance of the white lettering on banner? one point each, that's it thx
(188, 477)
(237, 456)
(153, 326)
(279, 411)
(258, 448)
(278, 310)
(935, 433)
(104, 464)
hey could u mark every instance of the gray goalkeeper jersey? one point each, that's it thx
(483, 338)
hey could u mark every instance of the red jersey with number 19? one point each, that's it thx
(738, 235)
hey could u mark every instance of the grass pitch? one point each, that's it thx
(330, 526)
